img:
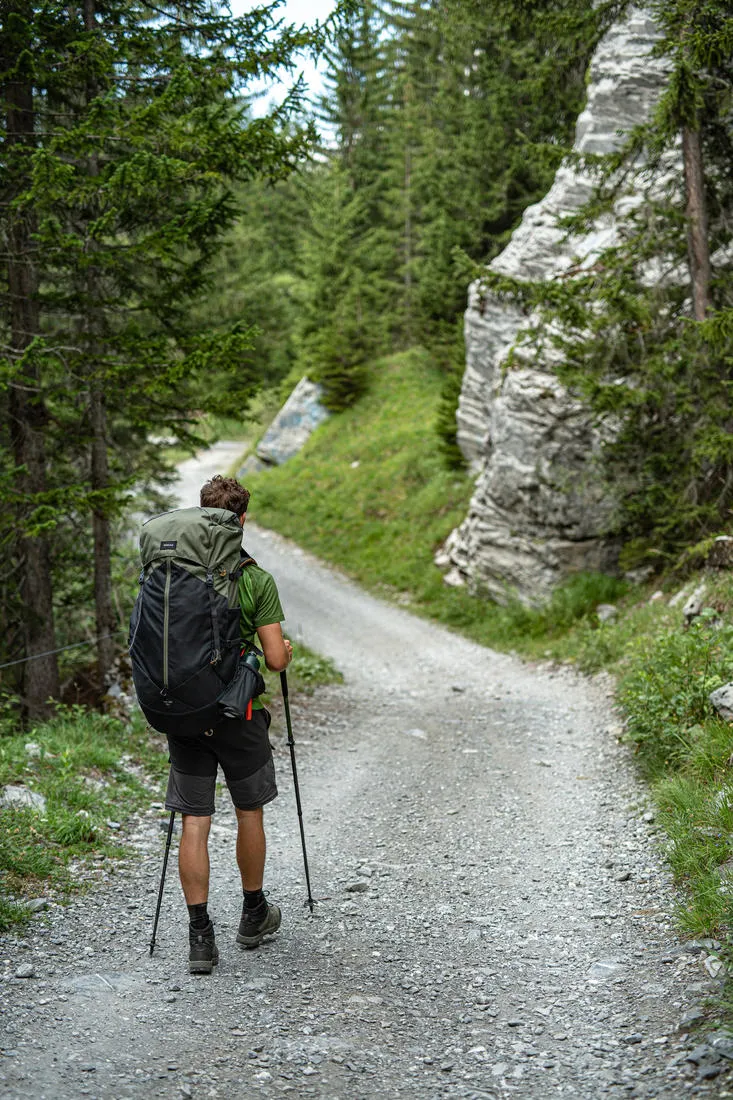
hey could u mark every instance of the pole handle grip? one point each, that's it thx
(284, 683)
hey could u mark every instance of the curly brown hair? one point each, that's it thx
(225, 492)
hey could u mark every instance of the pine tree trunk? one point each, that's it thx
(698, 247)
(104, 613)
(408, 228)
(40, 680)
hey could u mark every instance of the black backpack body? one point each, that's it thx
(185, 626)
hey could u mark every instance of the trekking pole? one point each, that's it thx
(291, 745)
(162, 878)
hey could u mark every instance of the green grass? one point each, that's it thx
(684, 749)
(306, 672)
(365, 477)
(81, 762)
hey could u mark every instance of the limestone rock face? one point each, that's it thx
(298, 418)
(540, 510)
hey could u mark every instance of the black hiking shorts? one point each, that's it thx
(241, 747)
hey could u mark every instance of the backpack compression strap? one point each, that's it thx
(216, 655)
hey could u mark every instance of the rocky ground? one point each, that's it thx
(494, 918)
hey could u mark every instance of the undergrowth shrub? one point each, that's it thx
(12, 913)
(665, 695)
(685, 750)
(309, 669)
(576, 599)
(78, 762)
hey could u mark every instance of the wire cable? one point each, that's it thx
(62, 649)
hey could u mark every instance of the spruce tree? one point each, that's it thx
(349, 255)
(123, 188)
(26, 522)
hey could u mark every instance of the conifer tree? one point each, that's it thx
(30, 627)
(349, 253)
(140, 136)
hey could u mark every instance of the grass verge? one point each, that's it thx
(91, 771)
(306, 672)
(684, 749)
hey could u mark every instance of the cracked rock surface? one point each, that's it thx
(493, 916)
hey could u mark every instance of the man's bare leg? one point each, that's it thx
(193, 859)
(193, 867)
(258, 918)
(251, 848)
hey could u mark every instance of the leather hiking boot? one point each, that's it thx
(258, 923)
(204, 955)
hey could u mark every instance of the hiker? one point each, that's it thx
(242, 748)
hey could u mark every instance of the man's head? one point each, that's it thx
(225, 492)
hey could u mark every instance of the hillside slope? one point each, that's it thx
(369, 494)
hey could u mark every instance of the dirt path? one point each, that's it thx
(494, 918)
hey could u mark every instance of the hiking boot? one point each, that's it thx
(204, 955)
(258, 923)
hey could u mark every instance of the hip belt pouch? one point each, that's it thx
(246, 685)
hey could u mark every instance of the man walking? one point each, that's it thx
(242, 748)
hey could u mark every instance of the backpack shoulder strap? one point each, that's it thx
(245, 560)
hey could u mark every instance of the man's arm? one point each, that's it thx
(278, 650)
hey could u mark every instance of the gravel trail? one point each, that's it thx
(494, 919)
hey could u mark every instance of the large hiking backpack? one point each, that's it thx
(184, 629)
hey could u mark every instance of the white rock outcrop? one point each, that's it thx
(540, 510)
(292, 427)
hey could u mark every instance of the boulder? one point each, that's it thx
(20, 796)
(292, 427)
(694, 604)
(720, 555)
(722, 701)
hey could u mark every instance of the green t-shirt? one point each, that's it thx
(259, 604)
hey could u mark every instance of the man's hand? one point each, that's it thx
(288, 648)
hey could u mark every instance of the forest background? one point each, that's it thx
(135, 181)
